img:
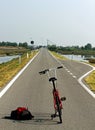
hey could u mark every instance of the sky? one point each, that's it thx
(60, 22)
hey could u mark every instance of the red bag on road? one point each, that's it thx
(21, 113)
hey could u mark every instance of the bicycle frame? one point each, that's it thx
(55, 94)
(56, 98)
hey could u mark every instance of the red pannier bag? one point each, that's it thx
(21, 113)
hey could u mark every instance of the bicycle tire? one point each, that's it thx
(59, 109)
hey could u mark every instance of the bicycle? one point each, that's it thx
(56, 98)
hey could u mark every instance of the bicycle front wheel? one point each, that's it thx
(59, 109)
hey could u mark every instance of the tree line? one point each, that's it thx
(14, 44)
(87, 49)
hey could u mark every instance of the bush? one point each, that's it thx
(91, 60)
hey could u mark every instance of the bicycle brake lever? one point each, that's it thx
(43, 72)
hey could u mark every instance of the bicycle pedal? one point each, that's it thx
(53, 115)
(63, 98)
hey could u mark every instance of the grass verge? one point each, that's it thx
(10, 69)
(57, 55)
(90, 80)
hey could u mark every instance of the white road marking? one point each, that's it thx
(83, 85)
(74, 77)
(71, 73)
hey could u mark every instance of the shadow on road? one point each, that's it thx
(39, 119)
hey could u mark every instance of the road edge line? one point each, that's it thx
(16, 76)
(83, 85)
(55, 58)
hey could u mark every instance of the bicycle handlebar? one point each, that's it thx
(46, 70)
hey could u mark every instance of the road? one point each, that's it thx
(34, 91)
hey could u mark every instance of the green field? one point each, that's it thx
(12, 50)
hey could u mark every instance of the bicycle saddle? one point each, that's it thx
(52, 79)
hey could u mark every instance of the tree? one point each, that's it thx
(25, 45)
(20, 44)
(52, 47)
(88, 46)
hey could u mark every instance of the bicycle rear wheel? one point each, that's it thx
(59, 109)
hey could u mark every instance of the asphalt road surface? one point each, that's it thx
(34, 91)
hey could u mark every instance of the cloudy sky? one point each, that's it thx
(62, 22)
